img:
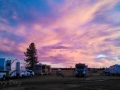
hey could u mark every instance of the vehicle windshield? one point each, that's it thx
(79, 69)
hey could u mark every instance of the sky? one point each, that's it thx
(65, 32)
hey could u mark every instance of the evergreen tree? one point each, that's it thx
(31, 56)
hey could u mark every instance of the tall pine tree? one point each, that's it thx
(31, 56)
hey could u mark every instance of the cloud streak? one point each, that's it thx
(64, 32)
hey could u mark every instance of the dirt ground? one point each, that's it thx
(69, 82)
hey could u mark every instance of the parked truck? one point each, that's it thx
(81, 69)
(11, 68)
(42, 69)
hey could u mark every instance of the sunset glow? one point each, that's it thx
(65, 32)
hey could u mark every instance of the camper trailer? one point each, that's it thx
(112, 70)
(42, 69)
(11, 68)
(115, 69)
(81, 69)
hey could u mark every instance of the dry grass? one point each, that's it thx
(70, 82)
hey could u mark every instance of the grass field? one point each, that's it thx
(69, 82)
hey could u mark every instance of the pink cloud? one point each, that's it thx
(74, 29)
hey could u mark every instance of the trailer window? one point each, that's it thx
(37, 67)
(8, 64)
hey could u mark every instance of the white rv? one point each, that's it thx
(115, 69)
(10, 68)
(2, 69)
(42, 69)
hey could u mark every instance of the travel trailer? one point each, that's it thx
(112, 70)
(81, 69)
(42, 69)
(11, 68)
(115, 69)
